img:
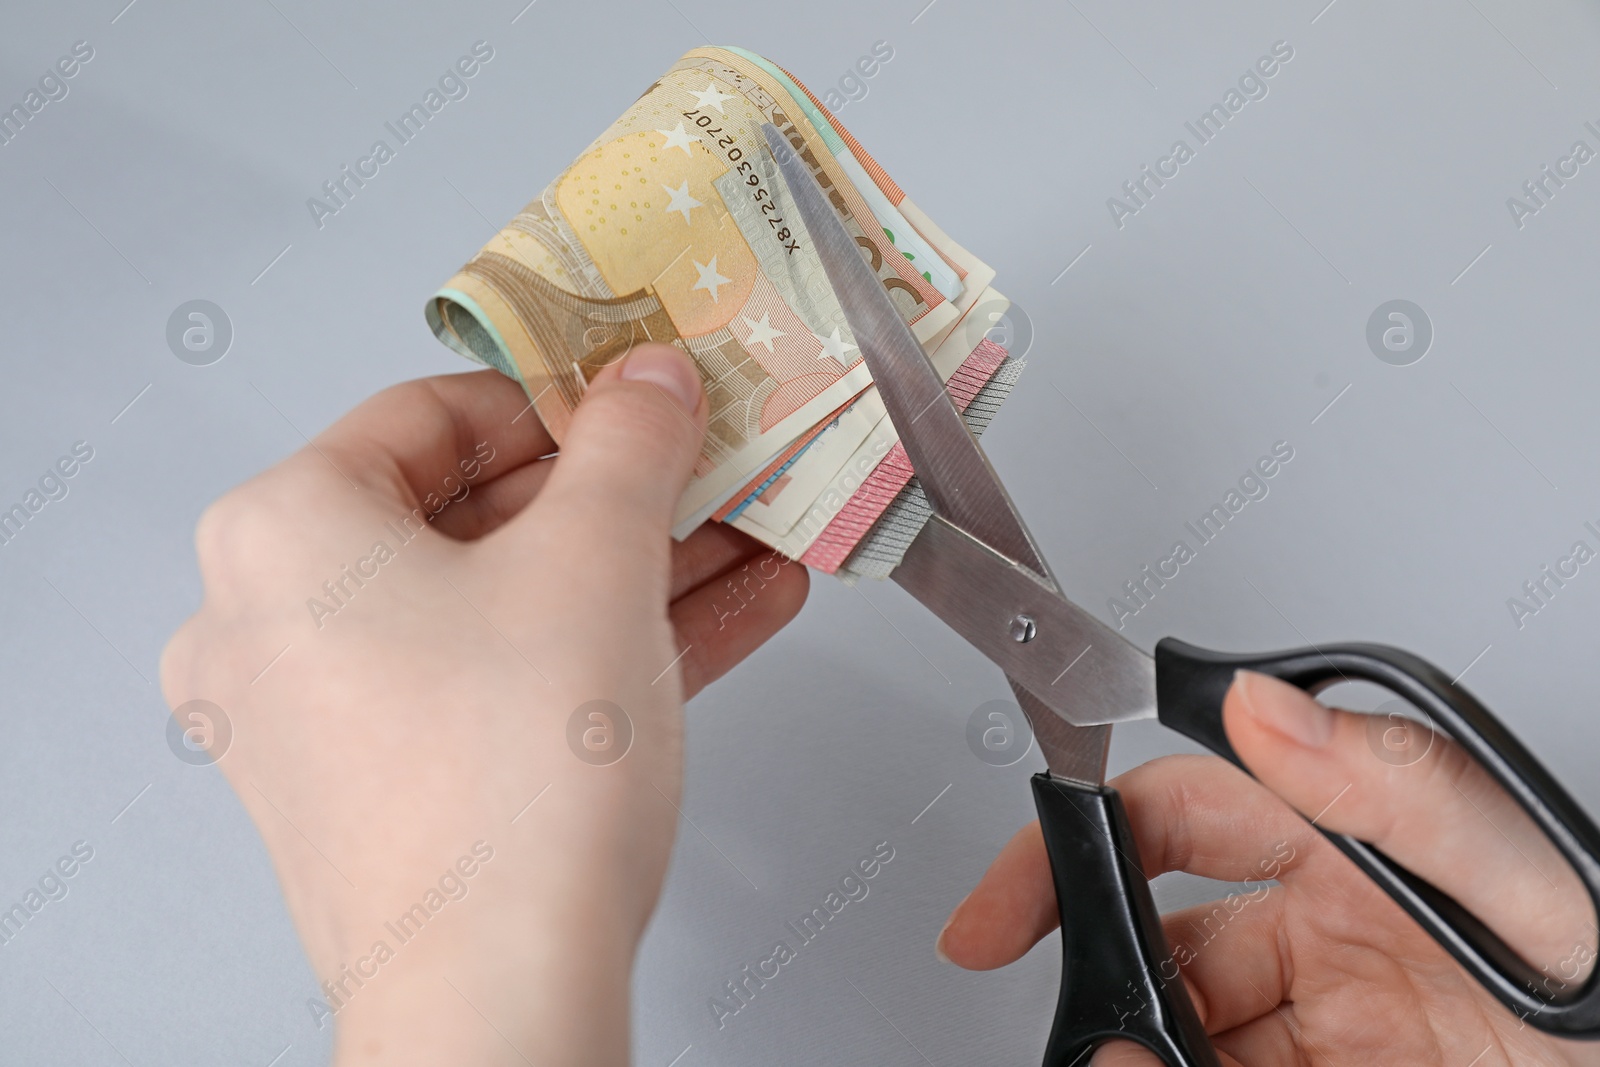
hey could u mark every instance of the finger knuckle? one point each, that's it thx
(1449, 767)
(224, 528)
(245, 530)
(177, 658)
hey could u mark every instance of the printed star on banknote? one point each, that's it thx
(675, 226)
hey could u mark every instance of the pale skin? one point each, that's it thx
(427, 713)
(426, 719)
(1322, 969)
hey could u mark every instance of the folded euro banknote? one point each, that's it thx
(675, 226)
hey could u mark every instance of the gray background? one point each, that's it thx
(1225, 316)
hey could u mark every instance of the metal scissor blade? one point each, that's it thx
(1079, 668)
(952, 469)
(1077, 753)
(974, 564)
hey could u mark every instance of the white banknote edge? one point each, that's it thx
(812, 475)
(885, 545)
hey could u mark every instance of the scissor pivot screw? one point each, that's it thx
(1024, 629)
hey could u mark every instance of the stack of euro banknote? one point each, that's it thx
(675, 226)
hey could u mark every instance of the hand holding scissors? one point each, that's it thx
(1322, 967)
(976, 566)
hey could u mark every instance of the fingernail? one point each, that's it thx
(938, 944)
(1284, 708)
(668, 370)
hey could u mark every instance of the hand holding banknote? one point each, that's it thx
(675, 226)
(411, 626)
(440, 602)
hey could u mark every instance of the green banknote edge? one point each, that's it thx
(473, 335)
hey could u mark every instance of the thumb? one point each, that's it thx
(630, 447)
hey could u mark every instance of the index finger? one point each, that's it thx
(427, 435)
(1191, 813)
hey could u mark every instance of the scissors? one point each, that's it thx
(975, 565)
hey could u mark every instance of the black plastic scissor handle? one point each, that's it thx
(1190, 685)
(1118, 981)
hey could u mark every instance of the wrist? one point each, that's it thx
(530, 960)
(507, 996)
(533, 965)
